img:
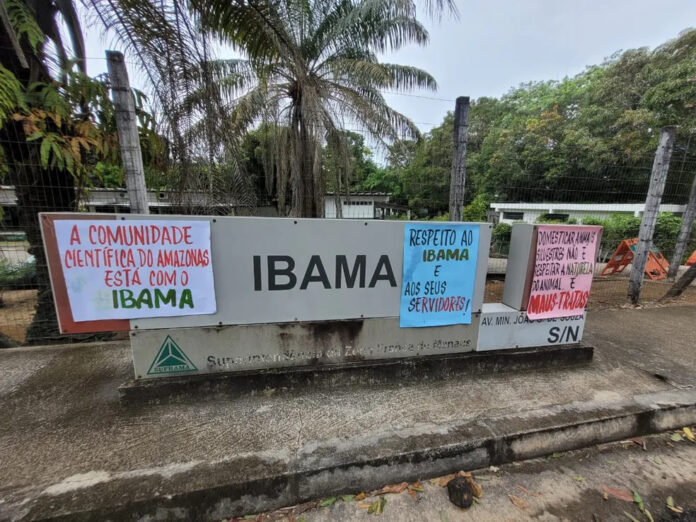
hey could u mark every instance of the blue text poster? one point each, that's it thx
(439, 274)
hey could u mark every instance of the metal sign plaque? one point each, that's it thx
(503, 327)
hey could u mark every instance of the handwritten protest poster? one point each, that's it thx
(565, 261)
(136, 269)
(439, 272)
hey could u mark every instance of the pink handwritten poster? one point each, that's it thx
(563, 269)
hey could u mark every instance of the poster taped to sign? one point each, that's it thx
(563, 269)
(439, 274)
(136, 269)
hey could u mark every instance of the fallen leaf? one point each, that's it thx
(494, 469)
(360, 496)
(393, 488)
(416, 486)
(413, 494)
(476, 488)
(605, 495)
(364, 505)
(518, 502)
(620, 494)
(329, 501)
(689, 434)
(671, 506)
(443, 481)
(650, 517)
(676, 437)
(657, 460)
(578, 478)
(631, 517)
(638, 500)
(249, 517)
(637, 440)
(555, 455)
(530, 493)
(373, 507)
(347, 498)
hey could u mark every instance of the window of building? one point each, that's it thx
(559, 218)
(514, 216)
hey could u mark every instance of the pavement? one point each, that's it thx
(560, 486)
(70, 451)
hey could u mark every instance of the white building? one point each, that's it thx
(361, 205)
(358, 205)
(530, 212)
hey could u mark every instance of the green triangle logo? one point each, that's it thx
(171, 359)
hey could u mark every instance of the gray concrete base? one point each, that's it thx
(359, 373)
(70, 451)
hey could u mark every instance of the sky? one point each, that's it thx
(497, 44)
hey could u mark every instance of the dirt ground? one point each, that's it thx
(17, 313)
(607, 292)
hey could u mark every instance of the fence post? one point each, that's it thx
(658, 178)
(128, 137)
(458, 179)
(684, 233)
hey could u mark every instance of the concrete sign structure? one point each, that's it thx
(503, 327)
(316, 344)
(300, 292)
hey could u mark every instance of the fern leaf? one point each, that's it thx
(25, 24)
(45, 152)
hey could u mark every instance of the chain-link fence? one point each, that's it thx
(612, 196)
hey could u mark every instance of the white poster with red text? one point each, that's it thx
(563, 270)
(136, 269)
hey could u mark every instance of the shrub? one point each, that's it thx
(500, 238)
(14, 277)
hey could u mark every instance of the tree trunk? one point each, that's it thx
(682, 283)
(303, 186)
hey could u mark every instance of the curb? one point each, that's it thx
(256, 483)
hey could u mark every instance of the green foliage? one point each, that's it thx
(477, 210)
(500, 238)
(25, 24)
(313, 66)
(621, 226)
(17, 276)
(11, 95)
(427, 170)
(588, 138)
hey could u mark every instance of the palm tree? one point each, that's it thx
(312, 72)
